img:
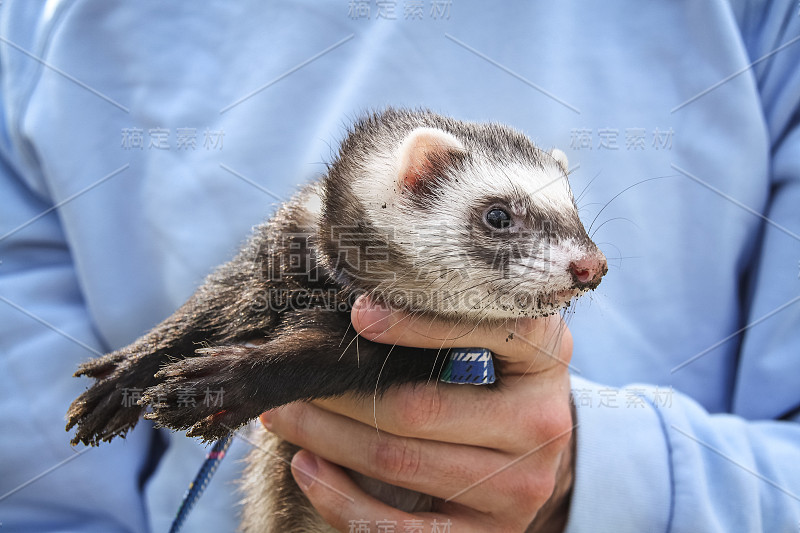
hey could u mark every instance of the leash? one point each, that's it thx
(196, 487)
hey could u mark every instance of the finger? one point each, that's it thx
(446, 471)
(514, 340)
(467, 414)
(347, 507)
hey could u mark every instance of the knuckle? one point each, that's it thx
(530, 424)
(396, 460)
(419, 408)
(529, 490)
(558, 424)
(536, 490)
(550, 423)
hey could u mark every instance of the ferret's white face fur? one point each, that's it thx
(475, 236)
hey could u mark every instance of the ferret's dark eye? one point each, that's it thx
(498, 218)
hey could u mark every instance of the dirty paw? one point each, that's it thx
(209, 395)
(108, 408)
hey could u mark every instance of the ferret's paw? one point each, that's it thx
(107, 409)
(209, 395)
(111, 406)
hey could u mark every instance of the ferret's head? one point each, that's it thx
(454, 218)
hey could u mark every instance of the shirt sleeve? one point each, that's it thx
(652, 459)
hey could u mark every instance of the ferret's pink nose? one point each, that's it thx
(588, 271)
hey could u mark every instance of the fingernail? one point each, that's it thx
(304, 468)
(266, 419)
(372, 318)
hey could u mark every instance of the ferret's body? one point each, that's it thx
(465, 222)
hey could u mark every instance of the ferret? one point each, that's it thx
(466, 222)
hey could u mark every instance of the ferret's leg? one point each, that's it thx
(308, 358)
(110, 407)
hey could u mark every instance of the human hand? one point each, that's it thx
(494, 460)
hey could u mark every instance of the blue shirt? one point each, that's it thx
(139, 142)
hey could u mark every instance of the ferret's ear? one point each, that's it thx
(561, 159)
(425, 154)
